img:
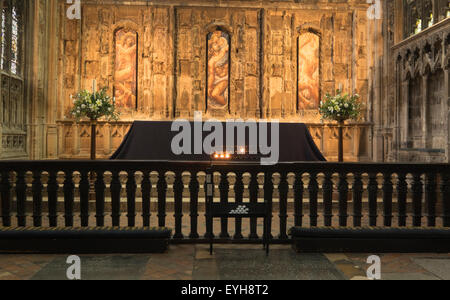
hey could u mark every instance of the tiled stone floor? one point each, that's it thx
(186, 262)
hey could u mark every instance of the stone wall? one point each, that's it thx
(415, 122)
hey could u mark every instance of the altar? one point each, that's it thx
(153, 140)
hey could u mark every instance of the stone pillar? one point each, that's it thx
(51, 150)
(447, 104)
(424, 114)
(403, 114)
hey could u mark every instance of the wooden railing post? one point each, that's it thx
(68, 198)
(430, 198)
(194, 188)
(21, 199)
(238, 194)
(417, 200)
(162, 190)
(115, 189)
(131, 198)
(178, 190)
(253, 187)
(52, 191)
(5, 189)
(373, 197)
(445, 192)
(100, 198)
(223, 189)
(209, 196)
(298, 200)
(283, 188)
(268, 198)
(327, 188)
(343, 198)
(402, 190)
(37, 198)
(387, 199)
(313, 188)
(84, 198)
(357, 199)
(146, 189)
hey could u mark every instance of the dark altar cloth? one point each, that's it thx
(151, 140)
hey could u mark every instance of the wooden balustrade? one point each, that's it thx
(82, 193)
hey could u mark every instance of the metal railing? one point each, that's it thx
(73, 193)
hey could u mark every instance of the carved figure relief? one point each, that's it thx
(125, 74)
(308, 71)
(218, 69)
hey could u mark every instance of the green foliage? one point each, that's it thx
(340, 107)
(94, 106)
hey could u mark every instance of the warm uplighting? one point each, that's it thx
(222, 156)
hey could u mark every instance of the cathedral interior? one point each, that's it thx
(247, 59)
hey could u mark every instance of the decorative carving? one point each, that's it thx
(308, 71)
(125, 76)
(218, 69)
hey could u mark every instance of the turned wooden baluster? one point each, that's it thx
(131, 198)
(431, 198)
(253, 187)
(115, 189)
(162, 190)
(327, 199)
(313, 188)
(178, 209)
(146, 189)
(52, 191)
(68, 198)
(37, 199)
(84, 198)
(5, 189)
(373, 197)
(417, 200)
(209, 196)
(298, 200)
(238, 193)
(194, 188)
(343, 199)
(223, 189)
(268, 197)
(21, 199)
(283, 188)
(387, 199)
(402, 190)
(445, 192)
(357, 200)
(100, 198)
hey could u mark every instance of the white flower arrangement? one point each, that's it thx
(94, 105)
(340, 107)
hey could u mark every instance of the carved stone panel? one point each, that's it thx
(125, 71)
